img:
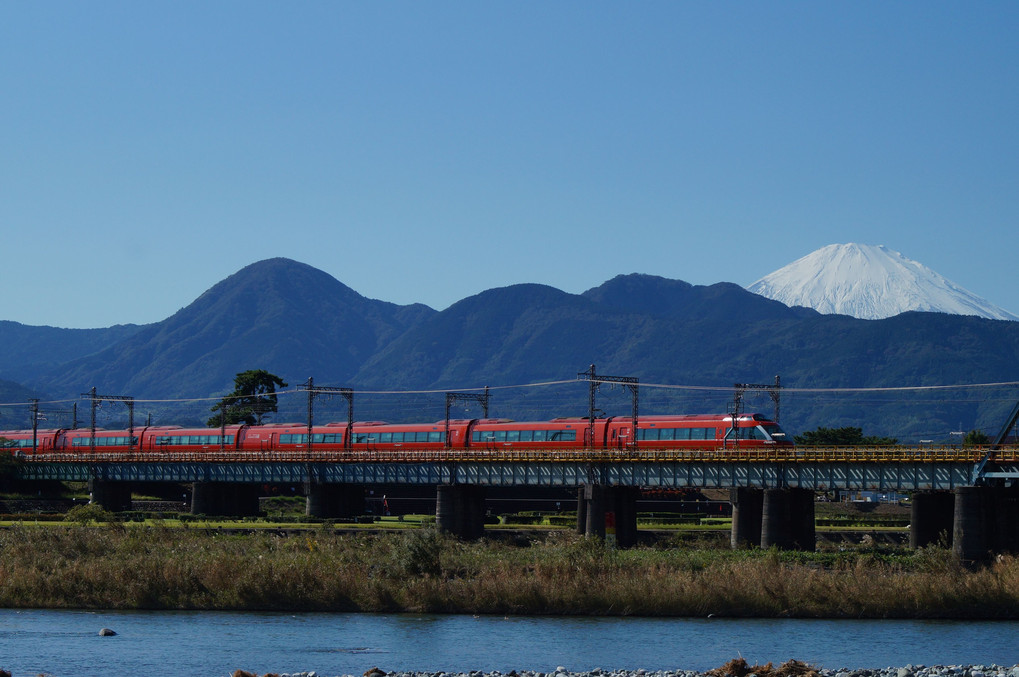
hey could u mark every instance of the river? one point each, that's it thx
(212, 644)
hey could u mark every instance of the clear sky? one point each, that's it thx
(427, 151)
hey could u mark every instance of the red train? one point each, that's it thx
(711, 431)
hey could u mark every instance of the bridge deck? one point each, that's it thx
(820, 469)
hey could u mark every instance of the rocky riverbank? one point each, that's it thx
(735, 668)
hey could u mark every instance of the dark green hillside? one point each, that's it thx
(500, 336)
(28, 350)
(14, 417)
(651, 295)
(279, 315)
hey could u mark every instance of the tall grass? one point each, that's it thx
(111, 567)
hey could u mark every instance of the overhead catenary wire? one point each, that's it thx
(541, 384)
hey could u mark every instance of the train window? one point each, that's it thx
(386, 438)
(436, 436)
(512, 435)
(650, 434)
(500, 436)
(538, 435)
(525, 435)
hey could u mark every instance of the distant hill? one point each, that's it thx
(651, 295)
(279, 315)
(296, 321)
(16, 417)
(27, 350)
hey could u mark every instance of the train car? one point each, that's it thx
(21, 441)
(396, 436)
(106, 441)
(697, 432)
(558, 433)
(195, 440)
(291, 437)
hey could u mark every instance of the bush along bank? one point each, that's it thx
(117, 567)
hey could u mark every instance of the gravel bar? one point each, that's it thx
(906, 671)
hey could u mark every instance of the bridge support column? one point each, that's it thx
(970, 527)
(600, 507)
(112, 496)
(930, 518)
(224, 499)
(747, 511)
(1005, 521)
(460, 510)
(581, 510)
(593, 499)
(334, 500)
(624, 505)
(787, 519)
(985, 522)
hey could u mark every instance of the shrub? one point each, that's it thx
(88, 513)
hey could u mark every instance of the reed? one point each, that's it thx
(112, 567)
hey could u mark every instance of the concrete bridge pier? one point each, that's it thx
(1005, 520)
(931, 514)
(747, 511)
(787, 519)
(460, 510)
(334, 500)
(582, 510)
(985, 522)
(605, 511)
(112, 496)
(224, 499)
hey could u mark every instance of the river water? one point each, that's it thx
(67, 643)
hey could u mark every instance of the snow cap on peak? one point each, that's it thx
(869, 282)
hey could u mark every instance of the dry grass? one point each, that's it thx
(421, 571)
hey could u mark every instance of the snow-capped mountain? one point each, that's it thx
(869, 282)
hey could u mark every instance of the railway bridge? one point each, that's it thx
(972, 494)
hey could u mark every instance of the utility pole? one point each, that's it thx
(775, 391)
(35, 424)
(313, 391)
(628, 382)
(95, 400)
(465, 397)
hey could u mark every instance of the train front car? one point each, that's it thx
(706, 431)
(762, 431)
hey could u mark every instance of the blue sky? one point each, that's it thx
(427, 151)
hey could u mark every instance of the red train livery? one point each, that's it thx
(711, 431)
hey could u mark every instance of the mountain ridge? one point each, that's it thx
(299, 322)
